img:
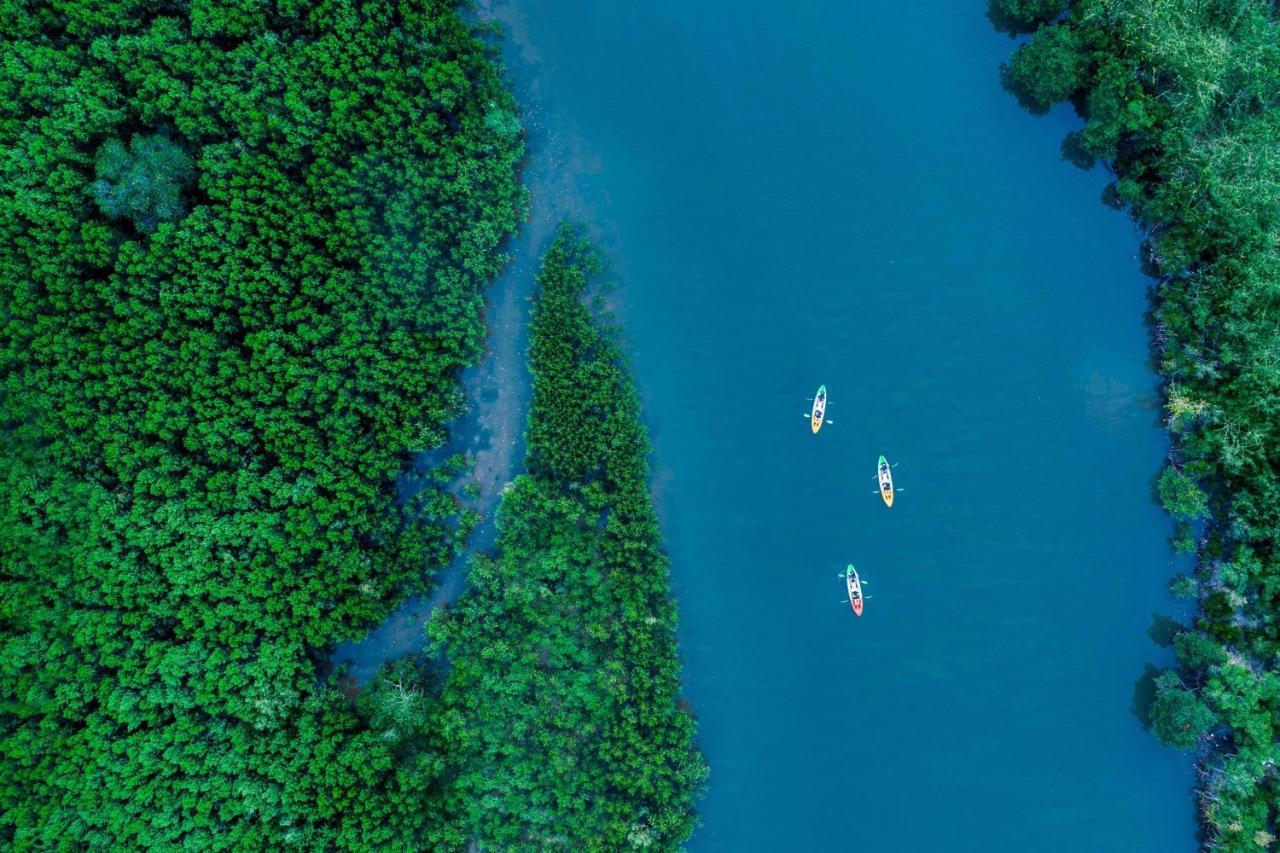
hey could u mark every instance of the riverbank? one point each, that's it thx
(491, 432)
(1181, 100)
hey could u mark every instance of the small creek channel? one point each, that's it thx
(497, 389)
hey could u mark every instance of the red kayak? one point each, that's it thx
(855, 589)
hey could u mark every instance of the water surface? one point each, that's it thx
(803, 193)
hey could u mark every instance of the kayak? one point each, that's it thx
(852, 581)
(886, 481)
(819, 409)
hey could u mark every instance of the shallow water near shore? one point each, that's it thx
(808, 193)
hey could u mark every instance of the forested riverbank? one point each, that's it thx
(1182, 100)
(243, 253)
(562, 695)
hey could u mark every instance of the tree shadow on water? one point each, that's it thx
(1163, 629)
(1074, 151)
(1144, 695)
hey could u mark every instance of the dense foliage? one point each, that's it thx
(1182, 99)
(563, 687)
(241, 253)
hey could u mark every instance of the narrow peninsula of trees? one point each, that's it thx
(242, 247)
(1181, 98)
(562, 694)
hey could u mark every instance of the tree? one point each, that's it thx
(1178, 717)
(1198, 652)
(1045, 70)
(1023, 16)
(1184, 586)
(1180, 495)
(144, 183)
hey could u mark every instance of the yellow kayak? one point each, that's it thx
(886, 481)
(819, 409)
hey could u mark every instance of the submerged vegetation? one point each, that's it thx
(563, 690)
(242, 248)
(1181, 98)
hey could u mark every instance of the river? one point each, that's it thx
(814, 192)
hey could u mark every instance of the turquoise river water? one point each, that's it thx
(841, 193)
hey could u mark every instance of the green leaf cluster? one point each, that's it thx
(563, 689)
(1180, 495)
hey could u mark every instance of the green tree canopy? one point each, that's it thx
(143, 183)
(1181, 496)
(1045, 70)
(204, 415)
(1178, 717)
(1023, 16)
